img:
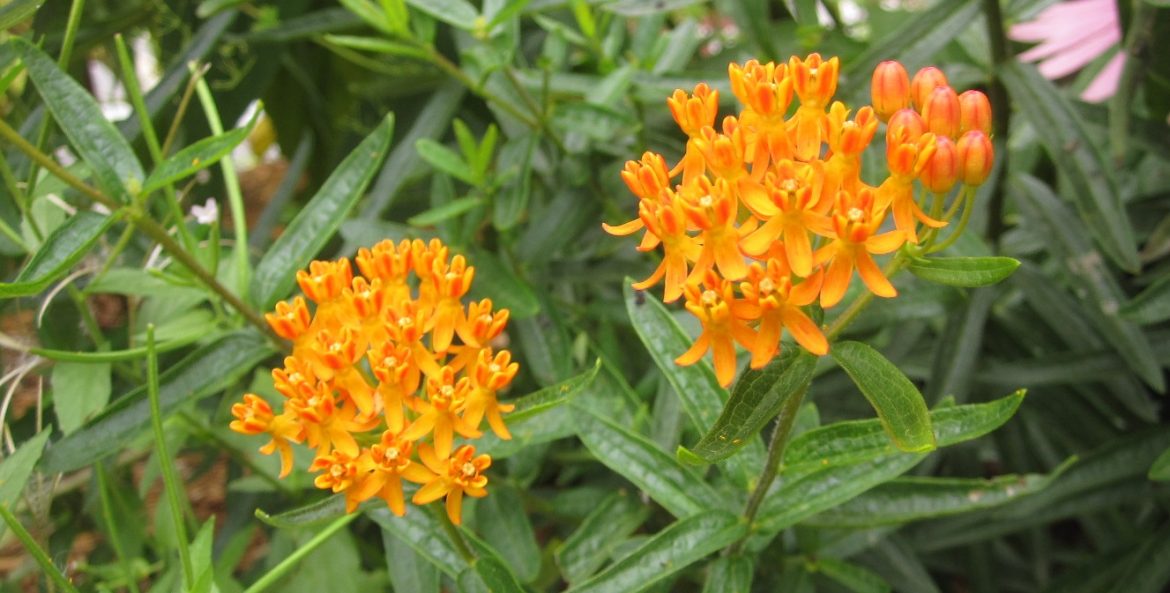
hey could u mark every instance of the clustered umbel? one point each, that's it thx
(383, 375)
(770, 212)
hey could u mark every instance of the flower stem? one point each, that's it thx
(38, 554)
(776, 447)
(456, 537)
(281, 570)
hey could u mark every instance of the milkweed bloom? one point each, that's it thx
(793, 159)
(386, 370)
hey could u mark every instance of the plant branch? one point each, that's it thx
(38, 554)
(998, 97)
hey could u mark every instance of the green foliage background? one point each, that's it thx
(510, 121)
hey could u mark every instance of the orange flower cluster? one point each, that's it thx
(391, 362)
(769, 212)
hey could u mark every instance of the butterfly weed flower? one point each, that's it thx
(770, 212)
(388, 369)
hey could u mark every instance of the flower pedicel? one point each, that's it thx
(384, 373)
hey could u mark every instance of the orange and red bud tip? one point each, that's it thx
(923, 83)
(976, 157)
(942, 170)
(890, 90)
(941, 112)
(974, 112)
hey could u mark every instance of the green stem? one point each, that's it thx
(170, 481)
(232, 184)
(998, 97)
(776, 447)
(454, 535)
(38, 553)
(281, 570)
(112, 526)
(1136, 43)
(452, 70)
(862, 301)
(954, 236)
(144, 224)
(181, 111)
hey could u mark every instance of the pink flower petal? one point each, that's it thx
(1076, 58)
(1066, 18)
(1056, 45)
(1106, 81)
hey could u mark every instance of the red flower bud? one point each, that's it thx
(942, 170)
(976, 157)
(890, 89)
(974, 112)
(942, 113)
(925, 81)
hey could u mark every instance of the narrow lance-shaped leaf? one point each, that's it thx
(1151, 305)
(16, 11)
(1160, 470)
(203, 372)
(898, 403)
(313, 513)
(408, 571)
(97, 142)
(678, 546)
(62, 249)
(730, 574)
(457, 13)
(757, 397)
(319, 219)
(502, 520)
(17, 467)
(489, 568)
(198, 156)
(592, 543)
(964, 271)
(851, 576)
(420, 530)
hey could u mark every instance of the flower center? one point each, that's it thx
(706, 201)
(855, 214)
(767, 286)
(709, 297)
(468, 469)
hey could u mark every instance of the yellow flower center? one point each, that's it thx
(767, 286)
(468, 469)
(706, 201)
(709, 297)
(855, 214)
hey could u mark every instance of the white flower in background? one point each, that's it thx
(110, 92)
(208, 213)
(1072, 34)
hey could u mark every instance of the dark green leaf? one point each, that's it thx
(660, 475)
(114, 165)
(1077, 158)
(314, 513)
(422, 532)
(408, 571)
(496, 280)
(964, 271)
(898, 403)
(16, 11)
(683, 543)
(490, 573)
(197, 156)
(757, 397)
(542, 400)
(730, 574)
(1148, 570)
(1150, 306)
(61, 250)
(1160, 470)
(447, 211)
(503, 520)
(205, 371)
(851, 576)
(319, 219)
(594, 541)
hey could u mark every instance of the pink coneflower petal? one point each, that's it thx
(1106, 81)
(1075, 58)
(1057, 44)
(1065, 18)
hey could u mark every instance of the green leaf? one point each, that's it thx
(457, 13)
(1151, 305)
(1147, 570)
(97, 142)
(898, 403)
(446, 160)
(419, 529)
(594, 541)
(730, 574)
(202, 565)
(16, 11)
(964, 271)
(1160, 470)
(378, 45)
(502, 520)
(681, 544)
(757, 397)
(17, 467)
(851, 576)
(491, 573)
(408, 571)
(913, 499)
(540, 401)
(197, 157)
(312, 228)
(660, 475)
(79, 391)
(315, 513)
(634, 8)
(545, 405)
(61, 250)
(141, 283)
(446, 211)
(1090, 179)
(497, 281)
(204, 372)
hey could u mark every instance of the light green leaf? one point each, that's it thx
(660, 475)
(446, 160)
(141, 283)
(196, 157)
(61, 250)
(488, 569)
(1151, 305)
(204, 372)
(898, 403)
(756, 398)
(97, 142)
(1090, 179)
(446, 211)
(319, 219)
(16, 11)
(457, 13)
(17, 467)
(964, 271)
(594, 541)
(314, 513)
(502, 520)
(540, 401)
(79, 391)
(851, 576)
(1160, 470)
(377, 45)
(683, 543)
(730, 574)
(408, 571)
